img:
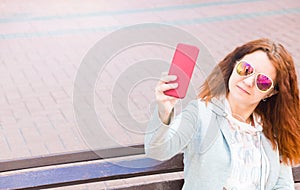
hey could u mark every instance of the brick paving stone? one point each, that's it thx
(48, 102)
(13, 96)
(17, 144)
(54, 145)
(7, 117)
(38, 149)
(4, 144)
(25, 90)
(70, 138)
(34, 106)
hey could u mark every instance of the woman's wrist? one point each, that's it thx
(166, 117)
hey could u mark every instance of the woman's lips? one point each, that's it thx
(242, 89)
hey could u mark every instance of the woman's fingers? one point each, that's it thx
(164, 87)
(167, 98)
(167, 78)
(160, 89)
(164, 84)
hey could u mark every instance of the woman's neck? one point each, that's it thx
(242, 112)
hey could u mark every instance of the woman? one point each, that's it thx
(242, 132)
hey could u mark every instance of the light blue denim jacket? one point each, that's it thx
(201, 132)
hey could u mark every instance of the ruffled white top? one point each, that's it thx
(250, 165)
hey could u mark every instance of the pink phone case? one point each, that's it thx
(182, 66)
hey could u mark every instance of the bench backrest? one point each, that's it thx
(88, 167)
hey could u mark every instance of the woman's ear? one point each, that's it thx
(274, 91)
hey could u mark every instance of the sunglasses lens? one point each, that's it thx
(263, 82)
(244, 69)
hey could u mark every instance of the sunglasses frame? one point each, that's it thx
(256, 75)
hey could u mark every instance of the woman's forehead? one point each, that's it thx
(261, 62)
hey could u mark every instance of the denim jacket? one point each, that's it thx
(200, 131)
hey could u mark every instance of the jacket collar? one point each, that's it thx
(217, 106)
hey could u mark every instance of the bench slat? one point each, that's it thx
(99, 170)
(87, 172)
(70, 157)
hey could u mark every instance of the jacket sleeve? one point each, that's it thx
(285, 180)
(165, 141)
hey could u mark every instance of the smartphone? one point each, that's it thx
(182, 66)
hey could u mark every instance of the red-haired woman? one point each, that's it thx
(242, 132)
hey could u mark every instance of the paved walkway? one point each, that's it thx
(43, 45)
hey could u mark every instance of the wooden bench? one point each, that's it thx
(86, 167)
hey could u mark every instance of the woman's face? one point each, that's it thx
(243, 89)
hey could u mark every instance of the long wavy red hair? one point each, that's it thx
(281, 112)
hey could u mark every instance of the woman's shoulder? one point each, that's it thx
(197, 105)
(208, 105)
(200, 107)
(198, 102)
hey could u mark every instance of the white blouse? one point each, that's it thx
(250, 165)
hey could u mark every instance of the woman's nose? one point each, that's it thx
(249, 81)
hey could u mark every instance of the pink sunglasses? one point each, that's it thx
(262, 81)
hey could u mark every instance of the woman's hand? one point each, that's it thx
(165, 103)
